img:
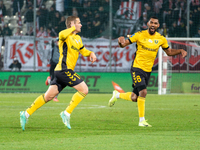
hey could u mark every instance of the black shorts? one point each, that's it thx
(65, 78)
(140, 79)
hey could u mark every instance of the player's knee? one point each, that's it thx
(85, 90)
(47, 97)
(143, 93)
(134, 97)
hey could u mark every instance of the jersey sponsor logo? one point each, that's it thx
(149, 49)
(74, 48)
(150, 41)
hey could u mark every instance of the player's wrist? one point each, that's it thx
(120, 44)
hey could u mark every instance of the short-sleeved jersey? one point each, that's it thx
(70, 45)
(147, 48)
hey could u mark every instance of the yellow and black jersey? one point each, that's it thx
(147, 48)
(69, 47)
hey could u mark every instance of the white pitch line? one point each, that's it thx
(83, 106)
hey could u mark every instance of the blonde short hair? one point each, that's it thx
(69, 20)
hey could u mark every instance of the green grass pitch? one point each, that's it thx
(95, 126)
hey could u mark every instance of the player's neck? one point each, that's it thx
(74, 32)
(150, 33)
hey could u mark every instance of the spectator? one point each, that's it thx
(176, 13)
(192, 29)
(149, 11)
(1, 32)
(169, 18)
(54, 4)
(30, 32)
(42, 32)
(181, 29)
(28, 3)
(194, 4)
(104, 15)
(73, 4)
(43, 16)
(89, 31)
(61, 25)
(74, 11)
(84, 21)
(29, 18)
(18, 32)
(7, 31)
(56, 21)
(15, 65)
(39, 3)
(157, 8)
(79, 7)
(51, 33)
(106, 5)
(143, 22)
(198, 33)
(173, 30)
(164, 30)
(1, 62)
(66, 6)
(60, 6)
(51, 16)
(196, 16)
(96, 25)
(3, 8)
(15, 5)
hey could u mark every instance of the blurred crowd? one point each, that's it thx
(172, 15)
(94, 15)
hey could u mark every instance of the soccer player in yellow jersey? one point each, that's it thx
(70, 44)
(148, 43)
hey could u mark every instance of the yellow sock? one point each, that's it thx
(126, 96)
(36, 104)
(141, 106)
(76, 99)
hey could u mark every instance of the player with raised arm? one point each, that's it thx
(70, 44)
(147, 44)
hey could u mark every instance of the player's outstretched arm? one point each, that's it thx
(93, 57)
(122, 42)
(172, 52)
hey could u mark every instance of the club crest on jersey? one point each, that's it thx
(156, 41)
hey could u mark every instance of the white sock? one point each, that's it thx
(66, 113)
(26, 114)
(49, 81)
(142, 119)
(117, 95)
